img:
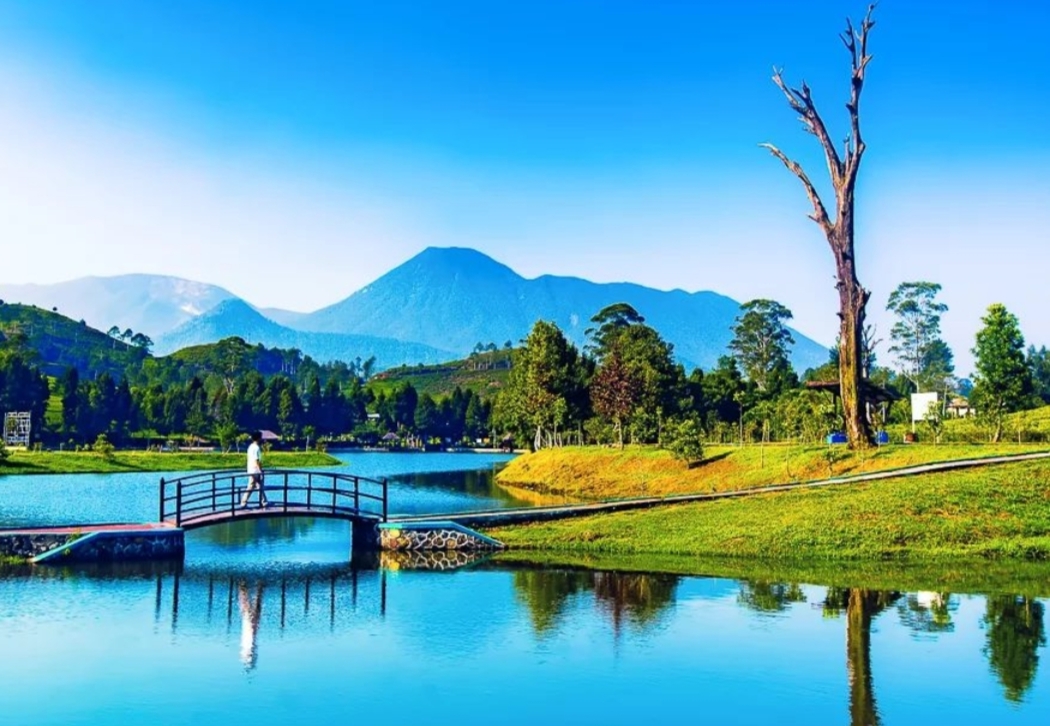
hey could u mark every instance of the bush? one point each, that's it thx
(684, 439)
(103, 448)
(4, 453)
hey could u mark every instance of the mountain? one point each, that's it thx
(436, 306)
(235, 317)
(150, 304)
(454, 298)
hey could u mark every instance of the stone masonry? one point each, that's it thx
(433, 536)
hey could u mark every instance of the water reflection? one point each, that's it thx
(634, 598)
(769, 597)
(861, 606)
(1015, 632)
(258, 616)
(928, 613)
(251, 609)
(286, 599)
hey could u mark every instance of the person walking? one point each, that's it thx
(255, 472)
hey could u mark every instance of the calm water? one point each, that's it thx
(268, 623)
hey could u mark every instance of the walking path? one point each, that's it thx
(500, 517)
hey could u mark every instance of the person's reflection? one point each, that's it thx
(251, 609)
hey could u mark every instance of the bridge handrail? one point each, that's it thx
(196, 495)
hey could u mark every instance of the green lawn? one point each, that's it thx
(68, 462)
(1000, 511)
(595, 473)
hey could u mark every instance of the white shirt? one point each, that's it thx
(254, 459)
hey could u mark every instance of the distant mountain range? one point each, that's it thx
(150, 304)
(237, 318)
(437, 305)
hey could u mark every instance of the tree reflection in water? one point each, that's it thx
(861, 607)
(769, 597)
(1015, 632)
(637, 598)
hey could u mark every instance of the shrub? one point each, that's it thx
(684, 439)
(103, 447)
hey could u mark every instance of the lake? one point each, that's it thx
(269, 623)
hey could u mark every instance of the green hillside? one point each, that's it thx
(60, 342)
(484, 373)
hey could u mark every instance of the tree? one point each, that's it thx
(1039, 369)
(761, 339)
(916, 334)
(843, 169)
(543, 382)
(615, 391)
(611, 321)
(1003, 382)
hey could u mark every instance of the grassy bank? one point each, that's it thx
(594, 473)
(1000, 511)
(68, 462)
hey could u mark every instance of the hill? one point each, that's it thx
(236, 318)
(455, 297)
(150, 304)
(484, 373)
(60, 342)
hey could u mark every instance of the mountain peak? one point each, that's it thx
(455, 260)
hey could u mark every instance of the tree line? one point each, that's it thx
(624, 386)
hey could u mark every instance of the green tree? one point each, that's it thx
(761, 340)
(1003, 380)
(426, 416)
(543, 380)
(69, 392)
(924, 359)
(610, 322)
(1039, 368)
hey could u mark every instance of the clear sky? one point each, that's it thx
(292, 152)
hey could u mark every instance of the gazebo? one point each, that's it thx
(873, 393)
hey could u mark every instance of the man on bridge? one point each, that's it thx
(255, 472)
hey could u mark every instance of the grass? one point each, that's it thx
(997, 512)
(595, 473)
(68, 462)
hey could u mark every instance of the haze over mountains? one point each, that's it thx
(436, 306)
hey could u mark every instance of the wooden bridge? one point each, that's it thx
(214, 497)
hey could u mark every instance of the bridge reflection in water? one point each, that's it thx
(299, 598)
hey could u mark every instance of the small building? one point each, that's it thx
(959, 407)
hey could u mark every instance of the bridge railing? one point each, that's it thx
(199, 497)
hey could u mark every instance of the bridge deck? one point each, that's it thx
(273, 511)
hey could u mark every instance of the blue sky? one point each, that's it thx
(292, 152)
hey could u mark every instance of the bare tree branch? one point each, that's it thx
(801, 100)
(820, 213)
(856, 43)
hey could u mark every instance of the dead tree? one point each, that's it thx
(842, 169)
